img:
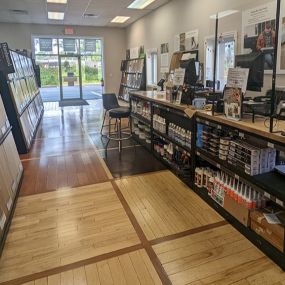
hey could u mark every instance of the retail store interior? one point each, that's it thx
(142, 142)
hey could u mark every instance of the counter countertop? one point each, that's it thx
(245, 124)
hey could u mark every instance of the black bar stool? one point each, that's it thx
(110, 102)
(119, 135)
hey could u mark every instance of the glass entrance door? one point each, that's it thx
(70, 77)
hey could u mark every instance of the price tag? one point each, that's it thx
(267, 195)
(198, 153)
(270, 145)
(241, 135)
(279, 202)
(236, 177)
(207, 123)
(219, 127)
(218, 166)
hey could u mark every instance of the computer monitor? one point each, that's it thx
(191, 71)
(255, 63)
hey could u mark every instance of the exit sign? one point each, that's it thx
(69, 31)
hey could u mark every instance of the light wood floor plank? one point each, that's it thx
(219, 256)
(163, 205)
(63, 227)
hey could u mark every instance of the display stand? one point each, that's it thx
(11, 173)
(153, 119)
(22, 101)
(133, 77)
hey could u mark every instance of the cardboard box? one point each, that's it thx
(274, 234)
(237, 210)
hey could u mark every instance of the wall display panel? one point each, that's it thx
(22, 100)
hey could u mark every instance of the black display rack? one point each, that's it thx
(22, 100)
(272, 184)
(133, 77)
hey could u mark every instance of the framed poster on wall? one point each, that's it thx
(258, 34)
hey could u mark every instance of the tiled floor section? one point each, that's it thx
(134, 268)
(59, 228)
(220, 256)
(163, 205)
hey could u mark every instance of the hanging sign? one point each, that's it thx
(46, 45)
(90, 45)
(6, 63)
(69, 45)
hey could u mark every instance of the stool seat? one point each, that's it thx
(118, 113)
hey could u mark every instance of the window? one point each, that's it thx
(225, 58)
(151, 63)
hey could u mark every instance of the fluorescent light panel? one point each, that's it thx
(56, 16)
(140, 4)
(224, 14)
(57, 1)
(120, 19)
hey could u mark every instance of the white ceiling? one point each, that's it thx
(74, 11)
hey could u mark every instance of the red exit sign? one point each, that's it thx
(69, 31)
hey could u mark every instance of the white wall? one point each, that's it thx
(18, 36)
(185, 15)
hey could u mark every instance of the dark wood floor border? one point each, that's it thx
(188, 232)
(95, 259)
(146, 244)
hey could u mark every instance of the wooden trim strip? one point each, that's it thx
(146, 244)
(74, 265)
(142, 174)
(188, 232)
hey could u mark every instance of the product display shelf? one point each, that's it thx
(277, 256)
(270, 184)
(11, 172)
(141, 118)
(133, 77)
(22, 101)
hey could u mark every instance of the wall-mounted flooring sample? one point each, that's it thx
(164, 206)
(59, 228)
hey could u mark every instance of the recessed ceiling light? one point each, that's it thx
(120, 19)
(56, 15)
(223, 14)
(140, 4)
(90, 15)
(57, 1)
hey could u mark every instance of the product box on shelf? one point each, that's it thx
(273, 233)
(239, 211)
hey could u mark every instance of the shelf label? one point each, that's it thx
(270, 145)
(279, 202)
(236, 177)
(219, 127)
(267, 195)
(207, 123)
(218, 165)
(241, 135)
(198, 153)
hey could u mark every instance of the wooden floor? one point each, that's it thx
(140, 229)
(164, 206)
(134, 268)
(218, 256)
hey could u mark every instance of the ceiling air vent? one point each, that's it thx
(19, 12)
(90, 15)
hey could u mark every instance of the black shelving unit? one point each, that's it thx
(272, 184)
(22, 100)
(133, 77)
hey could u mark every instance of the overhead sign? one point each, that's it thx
(90, 45)
(46, 45)
(69, 45)
(6, 63)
